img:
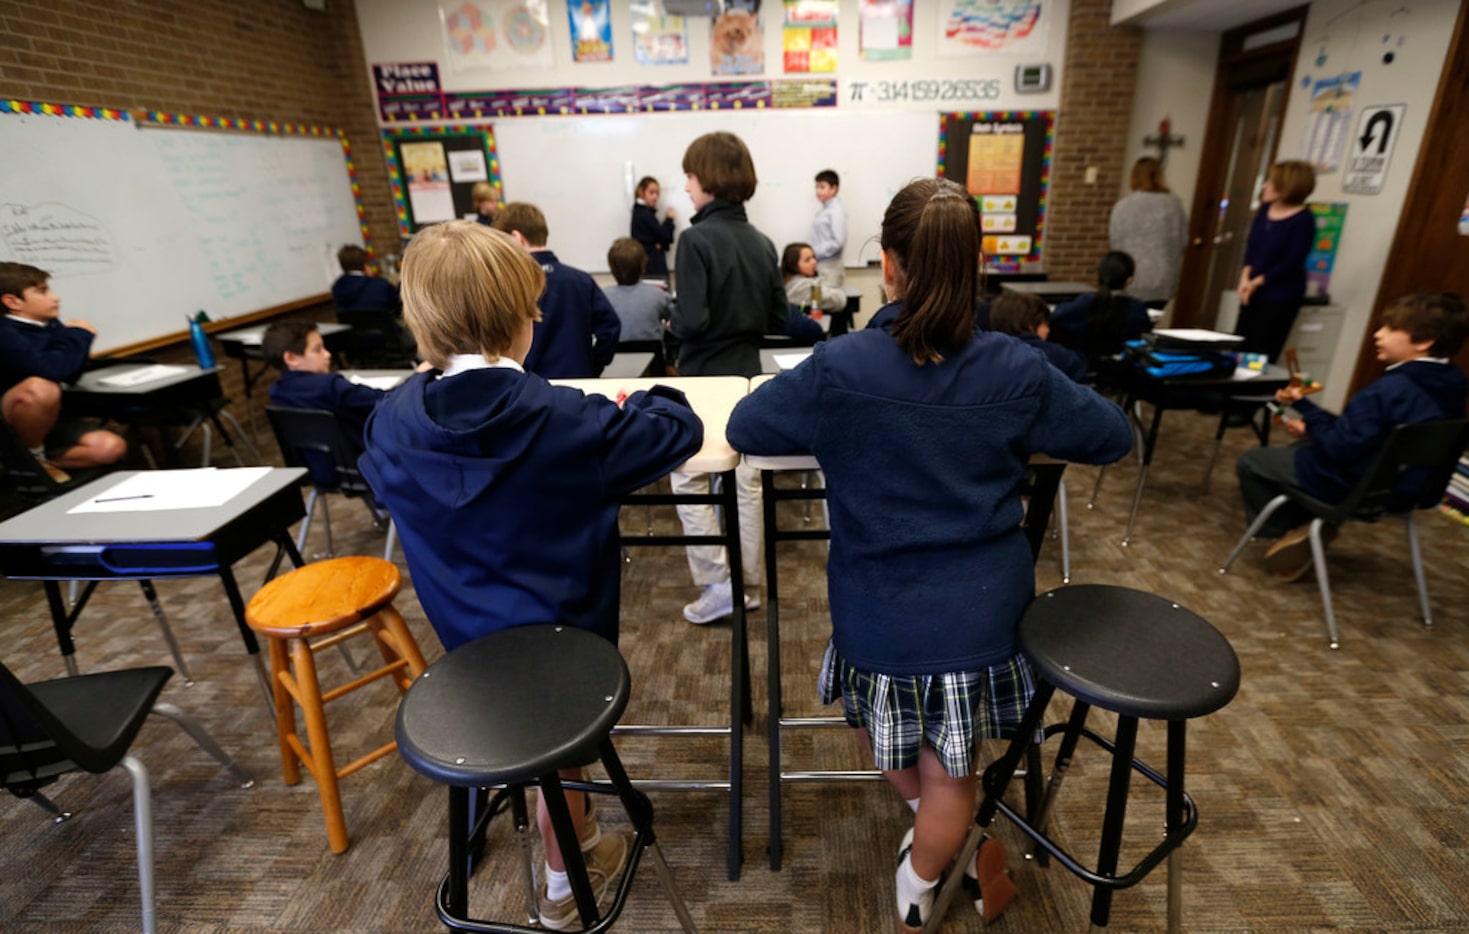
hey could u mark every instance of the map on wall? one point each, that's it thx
(975, 27)
(495, 34)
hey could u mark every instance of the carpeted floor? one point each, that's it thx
(1333, 793)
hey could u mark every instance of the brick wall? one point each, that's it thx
(270, 59)
(1091, 131)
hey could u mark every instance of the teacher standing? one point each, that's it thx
(1150, 226)
(656, 236)
(1272, 284)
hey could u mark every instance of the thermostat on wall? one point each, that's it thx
(1031, 79)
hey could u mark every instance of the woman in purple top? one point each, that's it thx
(1273, 281)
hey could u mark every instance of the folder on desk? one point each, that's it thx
(143, 374)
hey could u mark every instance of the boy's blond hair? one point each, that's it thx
(466, 290)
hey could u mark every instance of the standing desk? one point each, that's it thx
(49, 545)
(187, 392)
(712, 398)
(1227, 393)
(1047, 474)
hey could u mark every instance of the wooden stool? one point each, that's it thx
(307, 610)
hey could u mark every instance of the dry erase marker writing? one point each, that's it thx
(118, 499)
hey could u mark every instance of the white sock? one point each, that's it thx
(913, 890)
(913, 803)
(557, 885)
(39, 453)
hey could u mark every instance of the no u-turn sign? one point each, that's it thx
(1366, 168)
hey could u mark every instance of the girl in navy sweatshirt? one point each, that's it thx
(929, 569)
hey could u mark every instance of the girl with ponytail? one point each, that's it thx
(1099, 324)
(924, 427)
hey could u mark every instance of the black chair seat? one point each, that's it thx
(513, 705)
(99, 717)
(1130, 652)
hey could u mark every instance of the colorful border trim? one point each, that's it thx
(194, 121)
(1034, 256)
(395, 172)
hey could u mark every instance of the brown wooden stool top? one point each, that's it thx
(323, 597)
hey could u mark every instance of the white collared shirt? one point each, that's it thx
(31, 321)
(1443, 360)
(464, 362)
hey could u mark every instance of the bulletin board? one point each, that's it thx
(433, 171)
(1003, 159)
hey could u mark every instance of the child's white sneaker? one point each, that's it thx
(716, 602)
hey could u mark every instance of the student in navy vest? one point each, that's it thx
(38, 352)
(357, 289)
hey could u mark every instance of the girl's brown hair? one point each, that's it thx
(932, 231)
(790, 259)
(466, 290)
(1294, 180)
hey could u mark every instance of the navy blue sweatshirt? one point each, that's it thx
(656, 237)
(361, 292)
(1277, 250)
(51, 351)
(506, 489)
(578, 331)
(1340, 448)
(929, 570)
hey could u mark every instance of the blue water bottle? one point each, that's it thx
(200, 340)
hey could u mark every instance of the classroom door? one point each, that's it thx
(1255, 63)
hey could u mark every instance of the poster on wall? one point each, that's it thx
(591, 31)
(495, 34)
(1329, 120)
(809, 39)
(978, 27)
(737, 42)
(887, 30)
(1371, 148)
(658, 39)
(426, 170)
(1003, 159)
(1319, 262)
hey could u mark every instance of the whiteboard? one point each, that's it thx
(580, 171)
(142, 227)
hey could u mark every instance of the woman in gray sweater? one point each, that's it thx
(1150, 226)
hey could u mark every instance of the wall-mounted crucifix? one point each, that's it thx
(1164, 141)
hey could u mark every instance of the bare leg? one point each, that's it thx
(576, 803)
(31, 408)
(93, 449)
(945, 811)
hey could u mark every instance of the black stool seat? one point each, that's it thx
(524, 702)
(514, 709)
(1142, 657)
(1130, 652)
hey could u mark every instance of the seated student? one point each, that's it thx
(506, 489)
(577, 333)
(643, 309)
(38, 352)
(1418, 336)
(307, 381)
(1028, 317)
(358, 290)
(1099, 324)
(486, 202)
(805, 293)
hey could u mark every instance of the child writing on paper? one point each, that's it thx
(1028, 317)
(729, 296)
(505, 488)
(307, 381)
(38, 352)
(1417, 339)
(578, 331)
(929, 569)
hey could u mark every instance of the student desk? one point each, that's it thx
(47, 544)
(712, 398)
(628, 365)
(186, 397)
(1226, 393)
(378, 379)
(1053, 292)
(770, 365)
(1047, 480)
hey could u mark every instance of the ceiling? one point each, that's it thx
(1204, 15)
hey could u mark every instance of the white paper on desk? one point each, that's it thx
(142, 374)
(1242, 373)
(789, 361)
(376, 382)
(1198, 335)
(159, 490)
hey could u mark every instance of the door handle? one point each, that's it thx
(1224, 238)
